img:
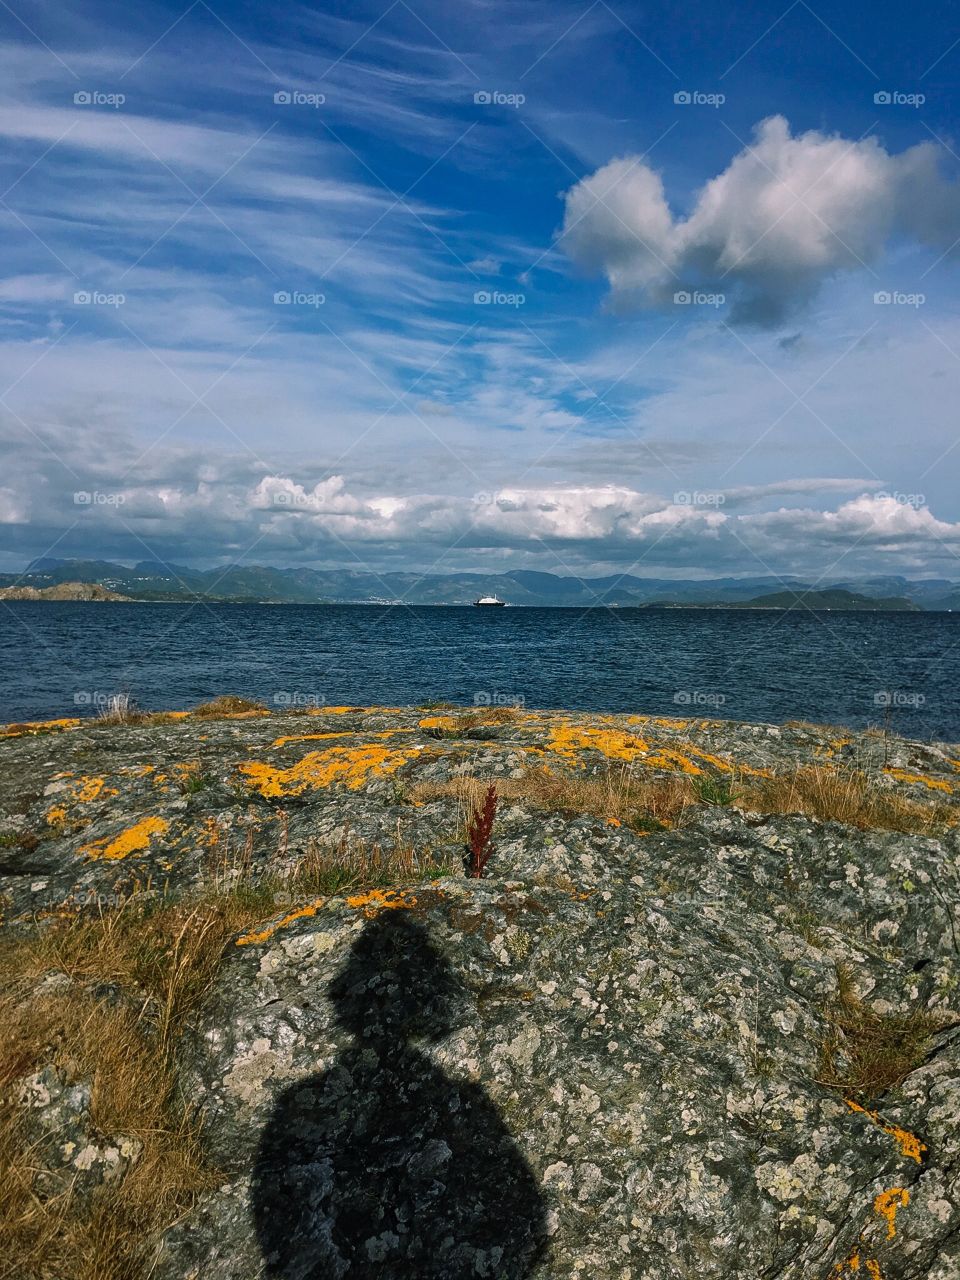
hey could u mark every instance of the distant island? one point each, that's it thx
(154, 580)
(62, 591)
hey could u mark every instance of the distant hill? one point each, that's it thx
(266, 584)
(835, 598)
(62, 591)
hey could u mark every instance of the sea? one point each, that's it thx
(899, 671)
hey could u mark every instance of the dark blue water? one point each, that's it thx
(902, 670)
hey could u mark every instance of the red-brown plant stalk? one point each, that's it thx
(479, 832)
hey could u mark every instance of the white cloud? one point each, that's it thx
(787, 212)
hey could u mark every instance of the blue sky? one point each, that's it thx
(578, 287)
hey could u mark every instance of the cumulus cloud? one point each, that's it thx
(190, 506)
(786, 213)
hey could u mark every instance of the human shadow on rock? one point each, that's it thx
(382, 1166)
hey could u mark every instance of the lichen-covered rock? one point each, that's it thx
(648, 1038)
(604, 1060)
(69, 1151)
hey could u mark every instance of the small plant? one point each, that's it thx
(479, 832)
(194, 782)
(715, 791)
(865, 1053)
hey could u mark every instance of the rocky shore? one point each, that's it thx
(699, 1018)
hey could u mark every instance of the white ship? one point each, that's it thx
(489, 601)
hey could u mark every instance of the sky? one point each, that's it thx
(577, 287)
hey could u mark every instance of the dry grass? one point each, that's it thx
(848, 796)
(865, 1053)
(615, 795)
(649, 803)
(228, 704)
(159, 959)
(162, 960)
(120, 709)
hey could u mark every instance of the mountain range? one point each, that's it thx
(154, 580)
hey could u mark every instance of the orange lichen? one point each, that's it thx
(378, 900)
(910, 1145)
(567, 739)
(851, 1264)
(873, 1269)
(350, 765)
(613, 822)
(56, 814)
(38, 726)
(886, 1205)
(88, 789)
(264, 935)
(934, 784)
(132, 840)
(675, 761)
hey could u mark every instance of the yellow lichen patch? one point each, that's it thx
(56, 815)
(446, 723)
(873, 1269)
(349, 765)
(935, 784)
(566, 740)
(132, 840)
(886, 1205)
(38, 726)
(264, 935)
(377, 900)
(675, 761)
(88, 789)
(851, 1265)
(184, 770)
(210, 833)
(910, 1145)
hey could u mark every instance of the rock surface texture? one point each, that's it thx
(602, 1060)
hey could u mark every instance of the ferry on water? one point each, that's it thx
(489, 602)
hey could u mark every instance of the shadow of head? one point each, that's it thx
(395, 985)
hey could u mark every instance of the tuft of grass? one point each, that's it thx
(194, 782)
(865, 1053)
(227, 704)
(848, 796)
(715, 789)
(618, 796)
